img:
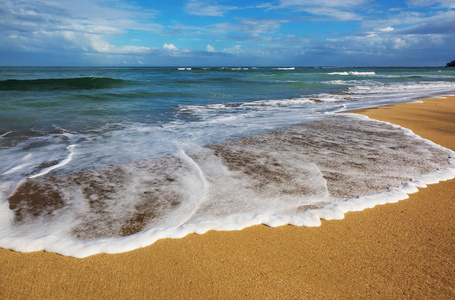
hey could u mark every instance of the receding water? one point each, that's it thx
(111, 159)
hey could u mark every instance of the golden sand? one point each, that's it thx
(402, 250)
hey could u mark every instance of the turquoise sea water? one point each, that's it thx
(86, 98)
(111, 159)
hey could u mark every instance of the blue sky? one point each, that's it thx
(227, 33)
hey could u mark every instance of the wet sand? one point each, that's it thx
(401, 250)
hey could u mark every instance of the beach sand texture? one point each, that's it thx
(401, 250)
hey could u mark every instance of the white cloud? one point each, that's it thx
(398, 43)
(233, 50)
(337, 9)
(91, 43)
(261, 25)
(324, 3)
(254, 52)
(333, 13)
(104, 47)
(383, 43)
(392, 37)
(442, 22)
(172, 50)
(207, 8)
(82, 26)
(386, 29)
(440, 3)
(169, 47)
(91, 27)
(252, 26)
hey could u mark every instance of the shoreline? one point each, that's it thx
(397, 250)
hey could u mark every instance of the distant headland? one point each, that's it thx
(451, 64)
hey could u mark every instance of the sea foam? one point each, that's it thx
(353, 73)
(161, 153)
(295, 176)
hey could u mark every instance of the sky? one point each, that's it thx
(227, 33)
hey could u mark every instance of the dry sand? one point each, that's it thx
(402, 250)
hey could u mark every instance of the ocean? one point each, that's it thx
(111, 159)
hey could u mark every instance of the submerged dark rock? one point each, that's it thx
(451, 64)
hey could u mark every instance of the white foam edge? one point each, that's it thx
(309, 218)
(59, 165)
(444, 96)
(285, 68)
(19, 167)
(405, 130)
(352, 73)
(5, 134)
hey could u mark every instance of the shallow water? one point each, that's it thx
(112, 159)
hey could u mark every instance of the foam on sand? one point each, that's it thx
(59, 165)
(296, 176)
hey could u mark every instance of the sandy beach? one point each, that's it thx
(393, 251)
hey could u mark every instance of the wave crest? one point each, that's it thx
(353, 73)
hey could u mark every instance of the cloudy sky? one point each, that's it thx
(227, 33)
